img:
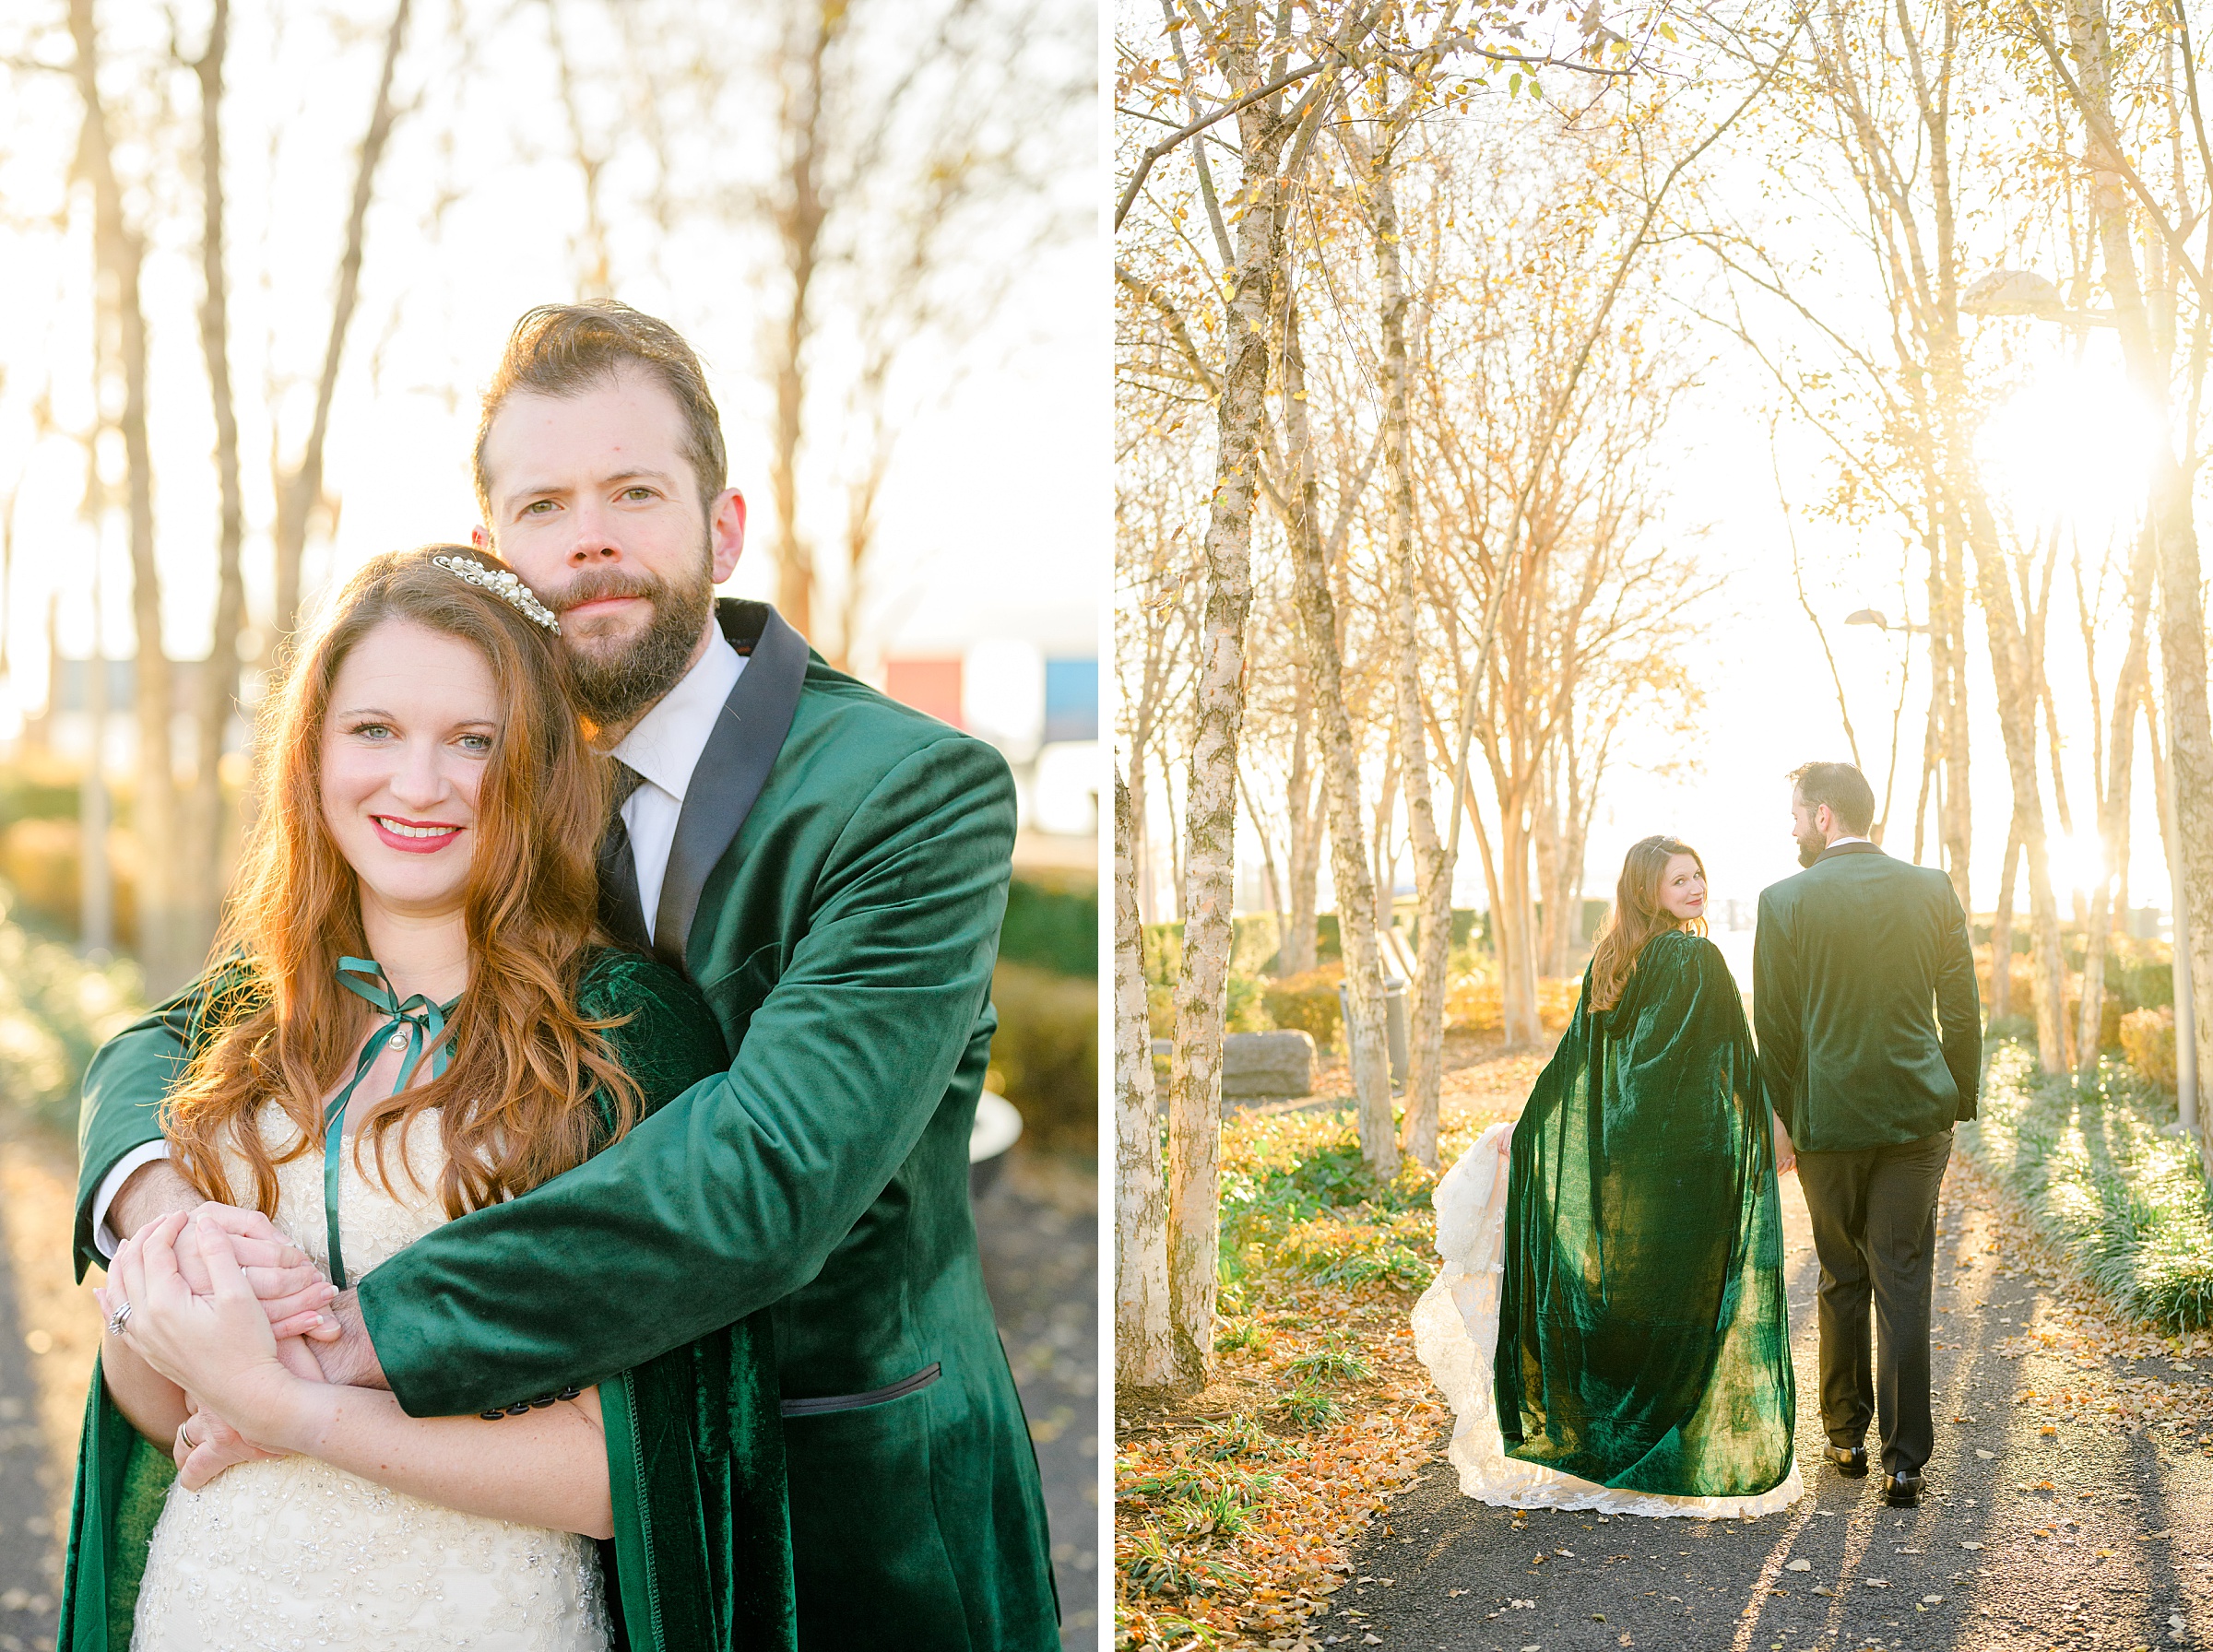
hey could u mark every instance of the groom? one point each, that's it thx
(830, 868)
(1871, 1045)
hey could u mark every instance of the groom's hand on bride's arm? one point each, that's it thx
(341, 1344)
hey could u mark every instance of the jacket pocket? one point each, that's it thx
(854, 1402)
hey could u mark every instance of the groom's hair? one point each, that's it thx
(1843, 788)
(564, 350)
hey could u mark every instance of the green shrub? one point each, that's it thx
(2104, 1180)
(1046, 1056)
(55, 1009)
(1254, 942)
(1163, 948)
(1052, 923)
(1247, 1009)
(1306, 1003)
(2147, 1041)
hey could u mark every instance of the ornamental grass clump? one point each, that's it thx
(1333, 1365)
(2104, 1180)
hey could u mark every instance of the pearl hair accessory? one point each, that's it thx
(503, 585)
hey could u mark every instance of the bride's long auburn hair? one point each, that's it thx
(1636, 916)
(516, 1099)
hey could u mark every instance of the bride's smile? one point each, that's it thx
(413, 714)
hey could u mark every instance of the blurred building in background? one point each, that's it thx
(1039, 705)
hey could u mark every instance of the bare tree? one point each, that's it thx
(203, 837)
(1144, 1353)
(300, 492)
(119, 251)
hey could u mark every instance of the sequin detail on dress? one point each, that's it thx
(293, 1552)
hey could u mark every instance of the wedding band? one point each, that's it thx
(118, 1319)
(184, 1433)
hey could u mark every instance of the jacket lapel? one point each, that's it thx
(733, 766)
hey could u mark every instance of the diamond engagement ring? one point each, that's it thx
(118, 1319)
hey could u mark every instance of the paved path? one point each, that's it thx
(2049, 1521)
(1039, 1228)
(27, 1605)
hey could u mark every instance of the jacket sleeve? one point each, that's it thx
(1959, 1003)
(735, 1194)
(1778, 1020)
(121, 1101)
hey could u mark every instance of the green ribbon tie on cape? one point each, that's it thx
(421, 1025)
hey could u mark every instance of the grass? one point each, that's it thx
(1236, 1506)
(1333, 1365)
(2102, 1180)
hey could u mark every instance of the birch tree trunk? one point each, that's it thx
(300, 489)
(2113, 802)
(1432, 859)
(2182, 608)
(799, 216)
(96, 871)
(1145, 1350)
(1210, 812)
(1367, 1051)
(2017, 725)
(119, 253)
(1306, 842)
(2001, 929)
(205, 878)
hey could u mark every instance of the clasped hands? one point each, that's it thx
(221, 1304)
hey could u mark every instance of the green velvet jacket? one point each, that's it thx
(702, 1551)
(835, 890)
(1864, 998)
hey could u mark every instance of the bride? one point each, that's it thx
(413, 1021)
(1609, 1322)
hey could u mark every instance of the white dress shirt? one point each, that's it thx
(663, 749)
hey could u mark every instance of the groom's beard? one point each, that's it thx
(612, 684)
(1809, 850)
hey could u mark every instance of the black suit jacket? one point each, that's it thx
(1864, 998)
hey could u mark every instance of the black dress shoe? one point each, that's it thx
(1901, 1491)
(1851, 1460)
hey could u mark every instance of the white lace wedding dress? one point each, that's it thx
(293, 1553)
(1456, 1332)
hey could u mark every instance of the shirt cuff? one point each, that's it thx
(146, 1153)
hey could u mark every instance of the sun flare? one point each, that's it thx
(2072, 449)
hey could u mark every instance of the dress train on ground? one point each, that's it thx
(1456, 1334)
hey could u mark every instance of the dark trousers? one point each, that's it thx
(1875, 1231)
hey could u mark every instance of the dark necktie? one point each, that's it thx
(620, 908)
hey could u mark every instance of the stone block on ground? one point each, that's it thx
(1267, 1063)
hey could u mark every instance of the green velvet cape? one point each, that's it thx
(702, 1553)
(846, 923)
(1643, 1337)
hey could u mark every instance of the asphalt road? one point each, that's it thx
(28, 1597)
(1038, 1228)
(2086, 1535)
